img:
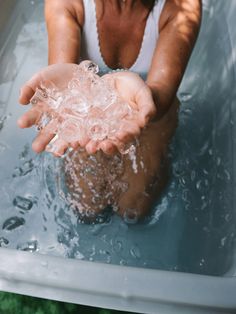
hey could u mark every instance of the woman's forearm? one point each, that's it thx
(179, 27)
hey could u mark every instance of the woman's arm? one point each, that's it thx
(64, 19)
(179, 26)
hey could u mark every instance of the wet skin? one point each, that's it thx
(178, 28)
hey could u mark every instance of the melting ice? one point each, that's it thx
(89, 108)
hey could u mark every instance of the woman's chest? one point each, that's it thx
(120, 39)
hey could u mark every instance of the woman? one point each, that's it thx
(151, 38)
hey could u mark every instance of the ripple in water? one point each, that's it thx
(22, 203)
(13, 223)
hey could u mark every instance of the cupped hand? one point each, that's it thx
(134, 91)
(58, 75)
(131, 88)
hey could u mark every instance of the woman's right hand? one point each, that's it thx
(59, 75)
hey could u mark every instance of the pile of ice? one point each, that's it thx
(89, 107)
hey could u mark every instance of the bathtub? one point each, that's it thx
(183, 258)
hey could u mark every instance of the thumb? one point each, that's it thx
(28, 89)
(146, 106)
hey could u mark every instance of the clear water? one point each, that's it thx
(192, 227)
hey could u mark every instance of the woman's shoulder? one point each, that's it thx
(75, 8)
(180, 10)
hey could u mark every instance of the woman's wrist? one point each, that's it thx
(161, 99)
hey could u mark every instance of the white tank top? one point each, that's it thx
(90, 47)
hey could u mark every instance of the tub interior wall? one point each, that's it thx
(192, 227)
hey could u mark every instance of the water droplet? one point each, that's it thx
(227, 217)
(96, 229)
(3, 242)
(182, 181)
(228, 176)
(202, 262)
(135, 252)
(79, 255)
(130, 216)
(30, 246)
(185, 97)
(223, 240)
(123, 262)
(13, 223)
(185, 195)
(205, 172)
(193, 175)
(17, 172)
(2, 121)
(198, 185)
(23, 203)
(117, 246)
(3, 147)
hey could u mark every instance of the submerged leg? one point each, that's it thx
(127, 183)
(93, 182)
(146, 168)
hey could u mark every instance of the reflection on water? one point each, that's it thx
(191, 228)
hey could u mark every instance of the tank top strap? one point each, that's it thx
(150, 37)
(157, 10)
(90, 47)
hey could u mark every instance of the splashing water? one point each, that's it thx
(89, 108)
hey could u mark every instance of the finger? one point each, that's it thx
(30, 118)
(91, 147)
(44, 137)
(57, 148)
(108, 147)
(41, 141)
(27, 91)
(84, 141)
(75, 145)
(127, 132)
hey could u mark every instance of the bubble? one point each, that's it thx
(227, 174)
(135, 252)
(13, 223)
(123, 262)
(3, 242)
(23, 203)
(130, 216)
(30, 246)
(185, 97)
(202, 262)
(223, 241)
(118, 246)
